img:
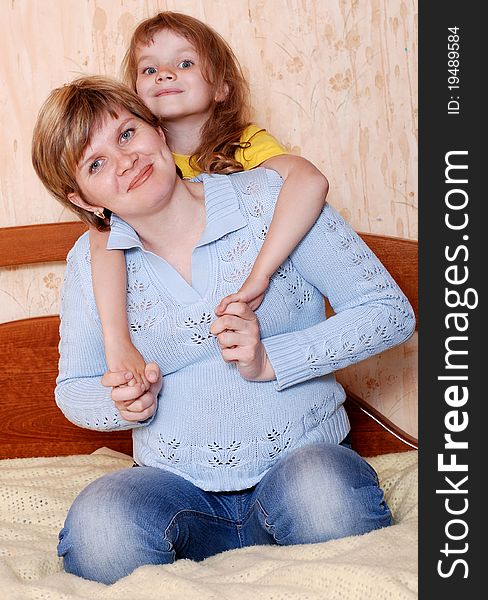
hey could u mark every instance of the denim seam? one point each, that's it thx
(240, 522)
(269, 527)
(185, 512)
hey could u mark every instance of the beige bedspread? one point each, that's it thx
(35, 495)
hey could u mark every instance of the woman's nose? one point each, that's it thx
(125, 161)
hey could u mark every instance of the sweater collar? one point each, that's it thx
(222, 212)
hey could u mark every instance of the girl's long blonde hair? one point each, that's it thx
(220, 136)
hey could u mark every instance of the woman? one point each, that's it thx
(245, 441)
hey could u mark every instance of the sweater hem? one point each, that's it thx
(337, 428)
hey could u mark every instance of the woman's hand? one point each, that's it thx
(133, 402)
(237, 332)
(123, 356)
(251, 292)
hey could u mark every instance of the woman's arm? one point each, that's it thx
(109, 286)
(79, 391)
(300, 201)
(371, 312)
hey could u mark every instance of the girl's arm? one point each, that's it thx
(109, 286)
(301, 199)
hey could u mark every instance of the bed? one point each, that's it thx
(45, 461)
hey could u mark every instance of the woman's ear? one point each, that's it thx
(77, 200)
(161, 133)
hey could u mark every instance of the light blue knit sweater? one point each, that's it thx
(212, 427)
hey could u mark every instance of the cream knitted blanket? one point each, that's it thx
(36, 493)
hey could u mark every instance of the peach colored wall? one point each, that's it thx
(335, 80)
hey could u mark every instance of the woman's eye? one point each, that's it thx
(185, 64)
(149, 71)
(95, 166)
(127, 134)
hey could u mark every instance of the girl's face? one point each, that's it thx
(127, 167)
(170, 80)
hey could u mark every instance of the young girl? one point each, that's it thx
(189, 77)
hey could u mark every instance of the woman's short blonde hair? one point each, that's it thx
(64, 128)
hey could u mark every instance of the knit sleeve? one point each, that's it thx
(371, 312)
(79, 392)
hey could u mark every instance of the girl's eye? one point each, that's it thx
(126, 135)
(149, 71)
(95, 166)
(185, 64)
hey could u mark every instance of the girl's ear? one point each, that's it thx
(221, 93)
(77, 200)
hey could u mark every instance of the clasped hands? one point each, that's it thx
(135, 401)
(237, 331)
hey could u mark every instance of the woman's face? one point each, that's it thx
(126, 167)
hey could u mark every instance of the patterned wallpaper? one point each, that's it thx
(334, 80)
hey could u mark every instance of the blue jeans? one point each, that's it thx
(145, 515)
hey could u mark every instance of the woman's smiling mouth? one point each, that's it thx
(141, 177)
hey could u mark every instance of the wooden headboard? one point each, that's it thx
(32, 425)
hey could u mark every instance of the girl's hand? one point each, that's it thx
(135, 403)
(123, 356)
(251, 292)
(238, 334)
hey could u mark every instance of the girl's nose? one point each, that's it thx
(165, 74)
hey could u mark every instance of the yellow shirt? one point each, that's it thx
(263, 146)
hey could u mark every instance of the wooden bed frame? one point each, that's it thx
(32, 425)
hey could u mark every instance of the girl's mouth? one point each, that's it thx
(169, 92)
